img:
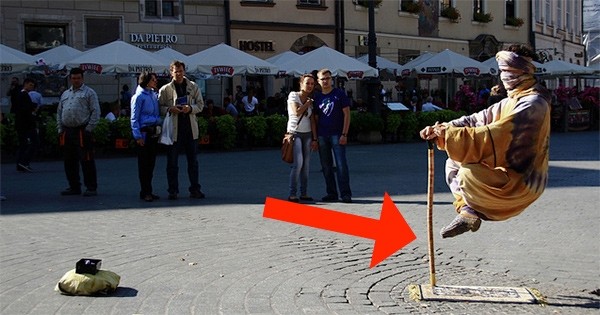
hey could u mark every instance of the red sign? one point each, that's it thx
(355, 74)
(471, 71)
(93, 67)
(222, 70)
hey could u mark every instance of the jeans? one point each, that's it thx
(28, 144)
(326, 146)
(190, 146)
(146, 157)
(300, 167)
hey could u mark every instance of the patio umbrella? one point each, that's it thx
(340, 64)
(282, 58)
(493, 63)
(563, 68)
(52, 59)
(449, 62)
(118, 57)
(227, 61)
(383, 64)
(14, 61)
(407, 69)
(169, 54)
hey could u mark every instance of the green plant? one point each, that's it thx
(226, 131)
(202, 126)
(8, 134)
(256, 126)
(102, 132)
(408, 128)
(482, 17)
(122, 128)
(365, 122)
(451, 13)
(410, 7)
(276, 128)
(392, 122)
(514, 21)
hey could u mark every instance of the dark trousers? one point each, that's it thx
(79, 149)
(190, 147)
(28, 143)
(146, 156)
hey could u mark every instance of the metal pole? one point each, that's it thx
(430, 180)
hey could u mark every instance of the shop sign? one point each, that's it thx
(255, 45)
(222, 70)
(152, 40)
(355, 74)
(471, 71)
(93, 67)
(262, 70)
(139, 68)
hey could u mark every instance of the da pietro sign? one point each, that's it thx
(152, 41)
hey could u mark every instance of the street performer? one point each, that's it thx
(498, 158)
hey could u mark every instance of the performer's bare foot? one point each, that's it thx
(462, 223)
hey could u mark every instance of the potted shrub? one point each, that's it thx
(514, 21)
(451, 13)
(203, 135)
(392, 123)
(368, 127)
(410, 7)
(482, 17)
(226, 131)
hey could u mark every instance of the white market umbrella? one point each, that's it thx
(449, 62)
(340, 64)
(227, 61)
(563, 68)
(169, 54)
(383, 64)
(407, 69)
(493, 64)
(57, 56)
(282, 58)
(118, 57)
(14, 61)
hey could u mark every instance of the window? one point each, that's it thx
(548, 13)
(510, 9)
(100, 30)
(568, 12)
(478, 7)
(310, 2)
(559, 12)
(537, 10)
(41, 37)
(410, 6)
(576, 20)
(161, 10)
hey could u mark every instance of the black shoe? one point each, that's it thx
(346, 199)
(90, 193)
(460, 225)
(70, 192)
(154, 197)
(172, 196)
(197, 194)
(293, 199)
(329, 198)
(306, 198)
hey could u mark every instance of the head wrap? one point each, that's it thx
(514, 69)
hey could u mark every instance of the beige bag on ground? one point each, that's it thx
(103, 282)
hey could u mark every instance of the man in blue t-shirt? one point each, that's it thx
(332, 111)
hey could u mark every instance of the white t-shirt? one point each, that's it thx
(294, 102)
(249, 106)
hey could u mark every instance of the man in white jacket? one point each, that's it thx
(180, 100)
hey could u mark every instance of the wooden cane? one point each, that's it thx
(430, 171)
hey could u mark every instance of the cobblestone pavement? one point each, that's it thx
(220, 256)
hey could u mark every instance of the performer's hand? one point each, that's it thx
(427, 133)
(140, 142)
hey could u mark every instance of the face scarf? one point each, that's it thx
(517, 71)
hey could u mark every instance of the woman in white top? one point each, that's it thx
(250, 102)
(302, 124)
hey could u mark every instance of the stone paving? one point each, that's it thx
(220, 256)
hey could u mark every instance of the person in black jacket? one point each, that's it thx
(26, 126)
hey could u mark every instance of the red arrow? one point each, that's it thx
(390, 232)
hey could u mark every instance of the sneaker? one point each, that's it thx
(293, 199)
(347, 199)
(172, 196)
(460, 225)
(329, 198)
(24, 168)
(197, 194)
(70, 192)
(90, 193)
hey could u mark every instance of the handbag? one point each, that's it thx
(287, 145)
(166, 136)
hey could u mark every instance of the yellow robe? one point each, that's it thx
(503, 153)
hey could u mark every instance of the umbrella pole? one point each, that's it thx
(430, 180)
